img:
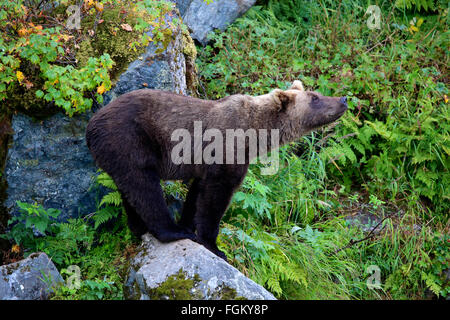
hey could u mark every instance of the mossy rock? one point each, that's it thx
(109, 37)
(177, 287)
(186, 270)
(190, 55)
(24, 100)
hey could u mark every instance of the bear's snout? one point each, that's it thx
(342, 105)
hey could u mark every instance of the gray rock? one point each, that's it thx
(364, 221)
(202, 18)
(30, 279)
(203, 275)
(183, 5)
(49, 162)
(154, 70)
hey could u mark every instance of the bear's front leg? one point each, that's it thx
(214, 196)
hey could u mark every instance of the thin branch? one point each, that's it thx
(369, 236)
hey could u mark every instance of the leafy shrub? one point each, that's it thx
(45, 62)
(33, 218)
(100, 254)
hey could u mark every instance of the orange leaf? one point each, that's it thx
(101, 89)
(22, 32)
(99, 6)
(28, 84)
(15, 248)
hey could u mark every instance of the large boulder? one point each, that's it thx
(203, 18)
(186, 270)
(48, 161)
(156, 70)
(30, 279)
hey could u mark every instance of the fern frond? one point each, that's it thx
(105, 180)
(113, 198)
(105, 214)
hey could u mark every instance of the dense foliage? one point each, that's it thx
(46, 55)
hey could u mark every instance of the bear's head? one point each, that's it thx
(308, 110)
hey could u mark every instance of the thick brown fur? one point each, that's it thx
(130, 139)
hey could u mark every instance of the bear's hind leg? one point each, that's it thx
(189, 207)
(143, 192)
(135, 223)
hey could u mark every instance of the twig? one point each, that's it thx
(381, 42)
(370, 235)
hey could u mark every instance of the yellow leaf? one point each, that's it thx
(15, 248)
(445, 98)
(66, 37)
(101, 89)
(20, 76)
(413, 28)
(99, 6)
(419, 23)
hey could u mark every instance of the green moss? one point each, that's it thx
(181, 287)
(109, 37)
(190, 54)
(189, 48)
(176, 287)
(227, 293)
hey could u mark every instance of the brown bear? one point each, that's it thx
(132, 139)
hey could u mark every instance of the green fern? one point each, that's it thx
(105, 214)
(112, 198)
(419, 4)
(111, 202)
(105, 180)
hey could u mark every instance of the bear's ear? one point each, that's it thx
(282, 98)
(297, 85)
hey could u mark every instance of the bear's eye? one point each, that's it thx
(315, 98)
